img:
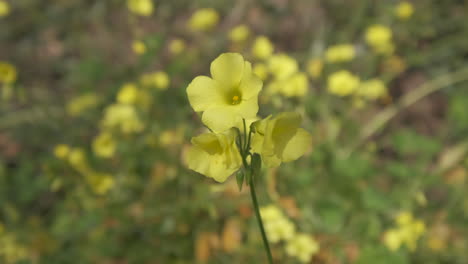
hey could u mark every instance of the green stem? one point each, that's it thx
(259, 219)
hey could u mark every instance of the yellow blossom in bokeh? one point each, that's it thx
(77, 159)
(140, 7)
(123, 117)
(379, 37)
(372, 89)
(404, 10)
(82, 103)
(215, 155)
(280, 139)
(295, 85)
(261, 70)
(342, 83)
(262, 48)
(277, 226)
(282, 66)
(100, 183)
(230, 95)
(176, 46)
(7, 73)
(340, 53)
(315, 67)
(239, 33)
(204, 19)
(104, 145)
(61, 151)
(11, 251)
(128, 94)
(139, 47)
(303, 247)
(407, 232)
(4, 8)
(158, 79)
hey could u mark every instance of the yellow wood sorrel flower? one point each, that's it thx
(215, 155)
(232, 93)
(280, 139)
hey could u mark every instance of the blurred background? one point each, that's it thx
(95, 121)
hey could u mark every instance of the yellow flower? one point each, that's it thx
(392, 239)
(314, 68)
(61, 151)
(303, 247)
(340, 53)
(123, 117)
(4, 8)
(140, 7)
(372, 89)
(100, 183)
(214, 155)
(294, 86)
(270, 213)
(239, 33)
(232, 93)
(82, 103)
(176, 46)
(104, 145)
(261, 71)
(139, 47)
(77, 159)
(158, 79)
(280, 139)
(204, 19)
(128, 94)
(7, 73)
(282, 66)
(342, 83)
(262, 47)
(379, 37)
(404, 10)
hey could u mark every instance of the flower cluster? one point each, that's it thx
(279, 228)
(140, 7)
(228, 101)
(203, 19)
(379, 38)
(407, 232)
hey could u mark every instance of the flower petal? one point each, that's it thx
(227, 69)
(250, 84)
(220, 119)
(203, 93)
(212, 166)
(297, 146)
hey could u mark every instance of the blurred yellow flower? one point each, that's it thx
(176, 46)
(261, 71)
(204, 19)
(100, 183)
(138, 47)
(7, 73)
(77, 159)
(158, 79)
(239, 33)
(82, 103)
(294, 86)
(4, 8)
(262, 48)
(280, 139)
(404, 10)
(277, 226)
(141, 7)
(303, 247)
(342, 83)
(282, 66)
(407, 232)
(123, 117)
(128, 94)
(215, 155)
(392, 239)
(379, 37)
(372, 89)
(104, 145)
(314, 68)
(340, 53)
(232, 93)
(61, 151)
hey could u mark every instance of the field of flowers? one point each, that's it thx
(158, 131)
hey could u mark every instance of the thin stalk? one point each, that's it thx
(259, 219)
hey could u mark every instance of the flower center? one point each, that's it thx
(236, 99)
